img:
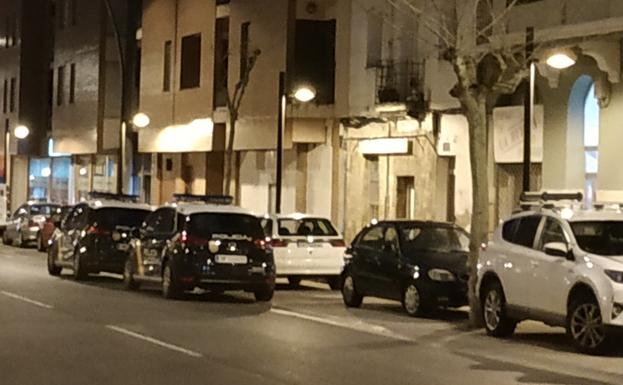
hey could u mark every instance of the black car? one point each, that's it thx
(95, 235)
(204, 242)
(421, 264)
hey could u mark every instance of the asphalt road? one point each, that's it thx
(57, 331)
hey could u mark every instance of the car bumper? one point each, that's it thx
(452, 294)
(30, 234)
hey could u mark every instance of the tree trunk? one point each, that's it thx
(476, 113)
(229, 155)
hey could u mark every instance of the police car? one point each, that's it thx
(95, 235)
(202, 242)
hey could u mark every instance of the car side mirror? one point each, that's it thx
(557, 249)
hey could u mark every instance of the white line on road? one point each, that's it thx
(28, 300)
(154, 341)
(358, 326)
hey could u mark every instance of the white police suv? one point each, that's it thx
(558, 263)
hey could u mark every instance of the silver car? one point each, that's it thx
(24, 226)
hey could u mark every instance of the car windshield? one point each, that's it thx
(110, 217)
(599, 237)
(46, 210)
(210, 225)
(432, 238)
(318, 227)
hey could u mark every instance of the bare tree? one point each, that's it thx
(485, 68)
(234, 100)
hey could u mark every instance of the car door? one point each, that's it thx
(159, 227)
(519, 260)
(366, 259)
(387, 275)
(551, 275)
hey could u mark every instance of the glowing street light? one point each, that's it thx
(21, 132)
(561, 60)
(141, 120)
(305, 94)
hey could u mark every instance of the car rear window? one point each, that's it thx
(46, 210)
(434, 238)
(307, 226)
(110, 217)
(207, 225)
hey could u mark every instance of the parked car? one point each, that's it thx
(306, 246)
(558, 264)
(421, 264)
(95, 235)
(50, 224)
(25, 224)
(204, 242)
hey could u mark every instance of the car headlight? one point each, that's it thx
(616, 276)
(441, 275)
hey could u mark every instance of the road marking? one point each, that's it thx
(27, 300)
(154, 341)
(358, 326)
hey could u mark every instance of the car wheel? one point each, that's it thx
(412, 301)
(128, 276)
(294, 282)
(335, 283)
(497, 322)
(264, 295)
(52, 268)
(5, 238)
(170, 286)
(350, 296)
(585, 325)
(80, 273)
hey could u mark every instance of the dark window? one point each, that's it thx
(72, 83)
(161, 221)
(306, 226)
(267, 225)
(373, 238)
(509, 229)
(416, 237)
(244, 47)
(60, 86)
(110, 217)
(520, 2)
(552, 232)
(5, 96)
(315, 57)
(221, 61)
(191, 62)
(599, 237)
(7, 31)
(206, 225)
(375, 39)
(62, 12)
(526, 231)
(46, 210)
(166, 74)
(72, 8)
(392, 240)
(12, 95)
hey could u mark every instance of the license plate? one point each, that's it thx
(232, 259)
(309, 244)
(123, 246)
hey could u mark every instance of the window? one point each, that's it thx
(373, 238)
(314, 57)
(434, 238)
(191, 62)
(391, 238)
(591, 144)
(72, 10)
(552, 232)
(375, 39)
(166, 74)
(267, 225)
(244, 47)
(599, 237)
(161, 221)
(60, 86)
(221, 61)
(61, 12)
(72, 83)
(305, 227)
(12, 92)
(224, 226)
(5, 96)
(509, 229)
(109, 218)
(526, 231)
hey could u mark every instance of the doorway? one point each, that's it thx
(405, 197)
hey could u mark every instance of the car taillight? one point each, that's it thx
(279, 243)
(262, 244)
(192, 240)
(337, 243)
(96, 231)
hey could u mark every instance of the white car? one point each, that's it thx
(306, 246)
(559, 265)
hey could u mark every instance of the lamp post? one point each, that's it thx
(303, 94)
(140, 120)
(528, 110)
(20, 132)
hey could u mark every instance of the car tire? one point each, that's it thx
(128, 276)
(80, 273)
(585, 326)
(170, 286)
(294, 282)
(264, 295)
(497, 323)
(335, 283)
(412, 301)
(5, 238)
(53, 270)
(350, 295)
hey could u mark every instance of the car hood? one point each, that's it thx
(455, 262)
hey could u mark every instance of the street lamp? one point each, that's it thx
(303, 94)
(562, 59)
(141, 120)
(20, 132)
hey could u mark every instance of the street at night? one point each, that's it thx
(57, 331)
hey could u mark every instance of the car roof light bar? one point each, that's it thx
(224, 200)
(545, 196)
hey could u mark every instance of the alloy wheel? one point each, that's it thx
(586, 326)
(412, 300)
(492, 310)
